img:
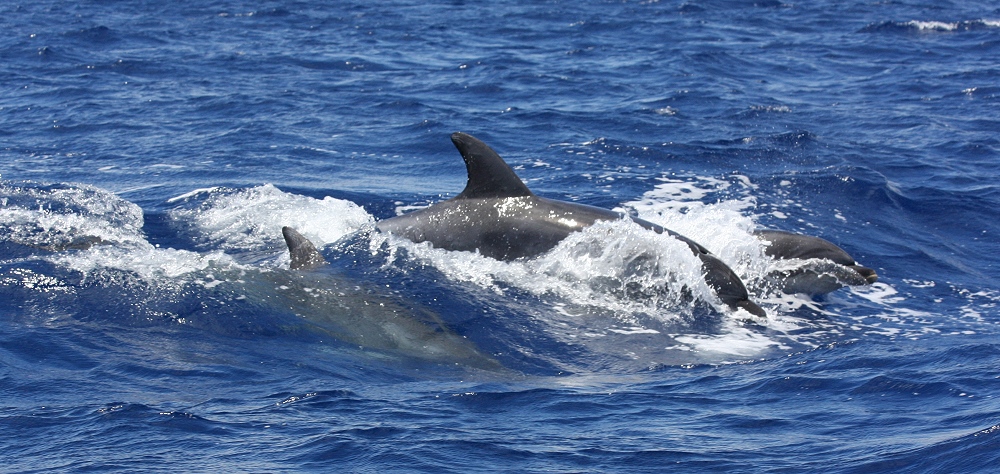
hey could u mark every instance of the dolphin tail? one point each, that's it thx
(303, 252)
(727, 285)
(751, 308)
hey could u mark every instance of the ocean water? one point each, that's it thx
(150, 153)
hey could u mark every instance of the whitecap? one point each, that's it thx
(251, 219)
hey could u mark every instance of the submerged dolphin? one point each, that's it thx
(353, 314)
(497, 215)
(825, 268)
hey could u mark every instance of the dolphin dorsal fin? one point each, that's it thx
(303, 253)
(489, 175)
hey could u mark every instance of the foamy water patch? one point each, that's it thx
(251, 219)
(952, 26)
(55, 217)
(681, 195)
(39, 282)
(150, 264)
(883, 310)
(880, 293)
(734, 341)
(976, 309)
(90, 231)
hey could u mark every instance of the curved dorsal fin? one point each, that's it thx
(303, 253)
(489, 175)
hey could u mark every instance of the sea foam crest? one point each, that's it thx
(148, 263)
(952, 26)
(60, 216)
(251, 219)
(91, 230)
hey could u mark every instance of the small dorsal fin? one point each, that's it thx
(489, 175)
(303, 252)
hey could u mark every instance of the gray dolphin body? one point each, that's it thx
(825, 268)
(354, 314)
(497, 215)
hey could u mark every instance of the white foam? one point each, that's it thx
(35, 281)
(733, 341)
(56, 216)
(149, 263)
(952, 26)
(879, 293)
(933, 25)
(192, 194)
(673, 194)
(253, 218)
(103, 230)
(771, 108)
(634, 330)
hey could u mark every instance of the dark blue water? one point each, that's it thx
(150, 153)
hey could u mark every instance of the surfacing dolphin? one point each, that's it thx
(825, 267)
(497, 215)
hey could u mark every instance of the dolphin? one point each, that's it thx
(357, 315)
(498, 216)
(825, 267)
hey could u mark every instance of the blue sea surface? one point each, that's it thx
(150, 153)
